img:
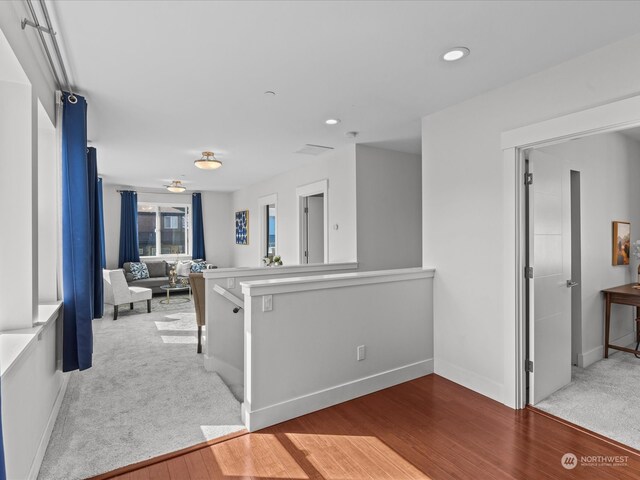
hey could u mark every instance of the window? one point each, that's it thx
(270, 237)
(163, 229)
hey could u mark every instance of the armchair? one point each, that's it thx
(117, 292)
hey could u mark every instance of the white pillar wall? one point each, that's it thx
(18, 195)
(48, 201)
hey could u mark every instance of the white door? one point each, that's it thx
(312, 234)
(550, 292)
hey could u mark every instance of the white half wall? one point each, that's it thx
(224, 348)
(609, 166)
(32, 392)
(301, 356)
(468, 211)
(339, 168)
(389, 208)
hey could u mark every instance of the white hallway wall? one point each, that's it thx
(339, 167)
(389, 208)
(465, 186)
(374, 198)
(609, 166)
(216, 213)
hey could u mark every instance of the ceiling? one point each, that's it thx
(166, 80)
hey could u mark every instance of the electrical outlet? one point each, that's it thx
(267, 303)
(231, 282)
(361, 353)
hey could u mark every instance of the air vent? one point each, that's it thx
(309, 149)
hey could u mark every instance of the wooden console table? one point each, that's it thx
(623, 295)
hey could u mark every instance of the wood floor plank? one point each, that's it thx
(178, 469)
(429, 428)
(159, 471)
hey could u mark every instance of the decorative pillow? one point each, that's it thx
(157, 268)
(139, 270)
(183, 268)
(197, 267)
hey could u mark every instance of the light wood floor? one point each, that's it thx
(429, 428)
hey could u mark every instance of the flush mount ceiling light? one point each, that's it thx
(208, 162)
(456, 54)
(176, 187)
(332, 121)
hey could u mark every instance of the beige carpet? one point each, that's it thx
(605, 398)
(147, 394)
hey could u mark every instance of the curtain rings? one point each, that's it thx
(72, 99)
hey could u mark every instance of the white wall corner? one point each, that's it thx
(478, 383)
(595, 354)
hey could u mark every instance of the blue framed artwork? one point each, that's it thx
(242, 227)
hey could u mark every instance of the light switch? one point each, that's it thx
(231, 282)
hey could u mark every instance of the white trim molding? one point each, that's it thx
(337, 280)
(281, 270)
(295, 407)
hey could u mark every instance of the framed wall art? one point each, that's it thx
(621, 243)
(242, 227)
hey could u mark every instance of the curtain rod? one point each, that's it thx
(49, 29)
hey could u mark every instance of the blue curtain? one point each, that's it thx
(103, 256)
(3, 474)
(95, 201)
(198, 228)
(128, 228)
(78, 244)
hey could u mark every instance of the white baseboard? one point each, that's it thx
(592, 356)
(229, 374)
(46, 436)
(295, 407)
(470, 380)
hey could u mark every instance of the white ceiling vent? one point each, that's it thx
(309, 149)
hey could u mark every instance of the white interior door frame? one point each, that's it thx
(315, 188)
(617, 115)
(271, 199)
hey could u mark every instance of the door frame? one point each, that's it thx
(315, 188)
(271, 199)
(611, 117)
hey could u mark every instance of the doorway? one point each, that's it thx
(312, 229)
(577, 193)
(313, 221)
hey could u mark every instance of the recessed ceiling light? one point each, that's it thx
(332, 121)
(456, 54)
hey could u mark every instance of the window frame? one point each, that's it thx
(264, 202)
(188, 228)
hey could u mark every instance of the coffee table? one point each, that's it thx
(176, 288)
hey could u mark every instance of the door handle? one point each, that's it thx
(571, 284)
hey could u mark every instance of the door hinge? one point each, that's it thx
(528, 272)
(306, 210)
(528, 178)
(528, 366)
(306, 254)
